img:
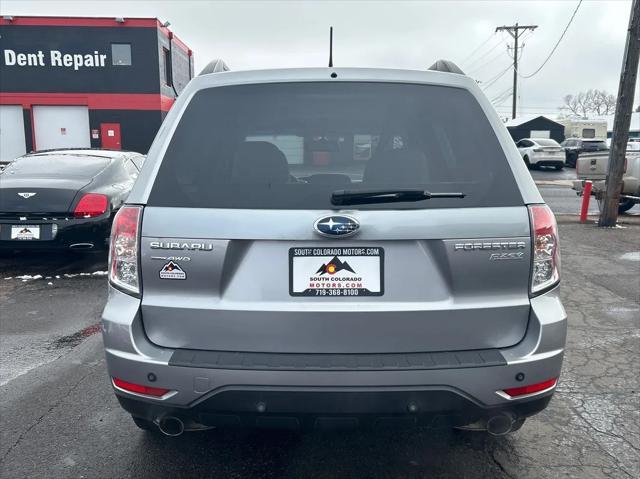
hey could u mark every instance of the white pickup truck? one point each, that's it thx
(594, 166)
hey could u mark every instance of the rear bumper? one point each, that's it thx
(293, 408)
(598, 186)
(630, 186)
(449, 388)
(89, 233)
(547, 160)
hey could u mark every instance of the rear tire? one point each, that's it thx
(625, 205)
(559, 167)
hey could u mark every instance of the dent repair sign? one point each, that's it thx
(346, 271)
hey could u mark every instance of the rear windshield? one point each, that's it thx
(594, 145)
(290, 145)
(543, 142)
(58, 165)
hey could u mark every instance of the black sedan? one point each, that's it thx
(64, 198)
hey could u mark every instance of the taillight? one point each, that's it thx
(532, 388)
(123, 250)
(90, 205)
(545, 270)
(538, 150)
(139, 388)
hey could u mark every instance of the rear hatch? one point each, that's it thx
(550, 148)
(45, 184)
(556, 151)
(239, 251)
(36, 196)
(592, 165)
(594, 145)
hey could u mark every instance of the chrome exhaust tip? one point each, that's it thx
(170, 426)
(500, 424)
(81, 246)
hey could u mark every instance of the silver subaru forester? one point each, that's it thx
(331, 248)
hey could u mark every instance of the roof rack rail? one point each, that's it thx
(446, 66)
(215, 66)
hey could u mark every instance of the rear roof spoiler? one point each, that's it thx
(446, 66)
(215, 66)
(218, 65)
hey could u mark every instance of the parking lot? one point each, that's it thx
(61, 419)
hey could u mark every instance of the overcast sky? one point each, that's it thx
(393, 34)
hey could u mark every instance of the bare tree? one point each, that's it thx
(579, 104)
(603, 103)
(594, 102)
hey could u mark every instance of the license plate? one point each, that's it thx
(330, 272)
(25, 232)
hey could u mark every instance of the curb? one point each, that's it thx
(564, 183)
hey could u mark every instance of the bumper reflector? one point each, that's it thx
(532, 388)
(140, 389)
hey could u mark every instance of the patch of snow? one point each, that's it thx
(633, 256)
(26, 277)
(95, 273)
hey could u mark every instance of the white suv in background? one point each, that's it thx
(538, 152)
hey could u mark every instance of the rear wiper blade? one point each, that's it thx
(361, 197)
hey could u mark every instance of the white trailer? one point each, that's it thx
(574, 128)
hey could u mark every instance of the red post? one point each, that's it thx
(586, 196)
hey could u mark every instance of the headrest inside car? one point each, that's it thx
(259, 162)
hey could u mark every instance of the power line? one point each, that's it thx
(478, 48)
(496, 78)
(506, 97)
(536, 108)
(497, 104)
(525, 35)
(502, 96)
(516, 31)
(557, 43)
(488, 62)
(550, 111)
(484, 54)
(501, 93)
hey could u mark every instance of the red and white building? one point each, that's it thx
(86, 82)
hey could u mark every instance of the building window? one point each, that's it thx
(167, 66)
(121, 54)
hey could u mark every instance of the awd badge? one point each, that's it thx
(172, 270)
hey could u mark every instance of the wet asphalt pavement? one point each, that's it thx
(60, 419)
(557, 192)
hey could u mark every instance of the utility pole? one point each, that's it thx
(622, 120)
(515, 32)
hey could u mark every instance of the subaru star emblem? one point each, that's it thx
(337, 226)
(27, 195)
